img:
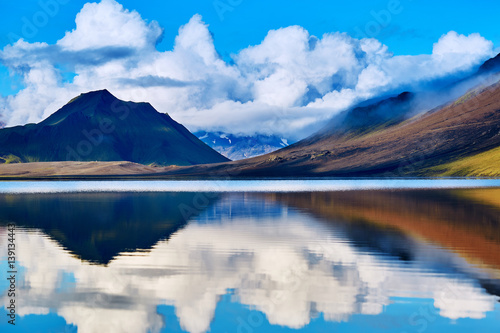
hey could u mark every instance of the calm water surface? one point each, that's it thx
(381, 258)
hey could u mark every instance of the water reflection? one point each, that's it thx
(293, 260)
(98, 226)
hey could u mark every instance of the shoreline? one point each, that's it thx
(124, 170)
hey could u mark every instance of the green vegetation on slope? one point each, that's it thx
(486, 164)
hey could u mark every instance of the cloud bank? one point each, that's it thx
(287, 85)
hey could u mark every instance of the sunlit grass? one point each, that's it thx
(485, 164)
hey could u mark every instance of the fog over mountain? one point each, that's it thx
(410, 134)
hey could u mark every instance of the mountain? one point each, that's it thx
(465, 131)
(492, 65)
(97, 126)
(237, 147)
(385, 111)
(371, 115)
(2, 124)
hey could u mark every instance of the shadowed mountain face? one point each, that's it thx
(99, 127)
(370, 116)
(96, 227)
(492, 65)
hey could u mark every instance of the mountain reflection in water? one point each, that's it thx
(239, 262)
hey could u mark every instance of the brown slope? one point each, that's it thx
(74, 169)
(465, 127)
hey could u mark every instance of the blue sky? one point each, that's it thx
(420, 23)
(236, 30)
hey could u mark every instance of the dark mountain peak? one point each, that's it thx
(405, 96)
(102, 92)
(491, 65)
(104, 102)
(96, 95)
(97, 126)
(101, 104)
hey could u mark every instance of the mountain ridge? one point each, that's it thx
(490, 65)
(96, 126)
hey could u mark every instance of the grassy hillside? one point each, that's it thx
(485, 164)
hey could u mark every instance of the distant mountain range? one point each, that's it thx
(97, 126)
(240, 147)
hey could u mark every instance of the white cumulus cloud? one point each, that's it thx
(109, 24)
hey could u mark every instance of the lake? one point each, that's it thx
(252, 256)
